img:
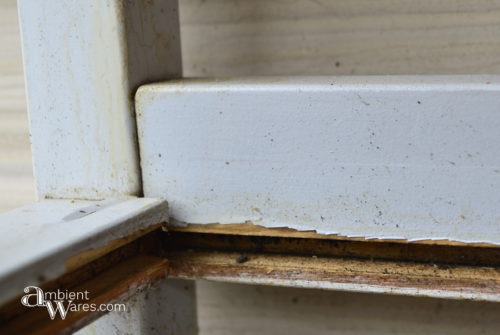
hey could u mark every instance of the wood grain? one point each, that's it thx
(390, 268)
(339, 274)
(112, 285)
(342, 37)
(16, 174)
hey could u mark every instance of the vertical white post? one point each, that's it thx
(83, 61)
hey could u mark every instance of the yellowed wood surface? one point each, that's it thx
(248, 309)
(114, 284)
(479, 283)
(393, 268)
(250, 229)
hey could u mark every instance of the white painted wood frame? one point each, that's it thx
(234, 151)
(410, 158)
(83, 63)
(55, 231)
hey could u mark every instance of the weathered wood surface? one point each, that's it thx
(248, 309)
(340, 274)
(61, 235)
(114, 285)
(390, 268)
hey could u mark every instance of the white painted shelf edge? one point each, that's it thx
(37, 239)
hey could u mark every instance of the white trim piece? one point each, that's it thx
(83, 61)
(415, 157)
(364, 288)
(39, 238)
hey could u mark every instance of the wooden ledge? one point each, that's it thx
(50, 238)
(110, 279)
(374, 276)
(414, 269)
(441, 271)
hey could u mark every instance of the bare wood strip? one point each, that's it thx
(480, 283)
(251, 229)
(388, 251)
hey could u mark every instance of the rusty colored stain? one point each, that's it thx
(110, 278)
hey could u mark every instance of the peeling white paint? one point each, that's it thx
(376, 157)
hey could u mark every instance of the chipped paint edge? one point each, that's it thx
(42, 267)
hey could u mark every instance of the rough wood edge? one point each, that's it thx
(251, 229)
(89, 255)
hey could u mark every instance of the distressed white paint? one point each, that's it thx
(37, 239)
(168, 307)
(378, 157)
(83, 61)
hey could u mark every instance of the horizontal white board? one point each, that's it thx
(376, 157)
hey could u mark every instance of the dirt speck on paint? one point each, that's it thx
(242, 259)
